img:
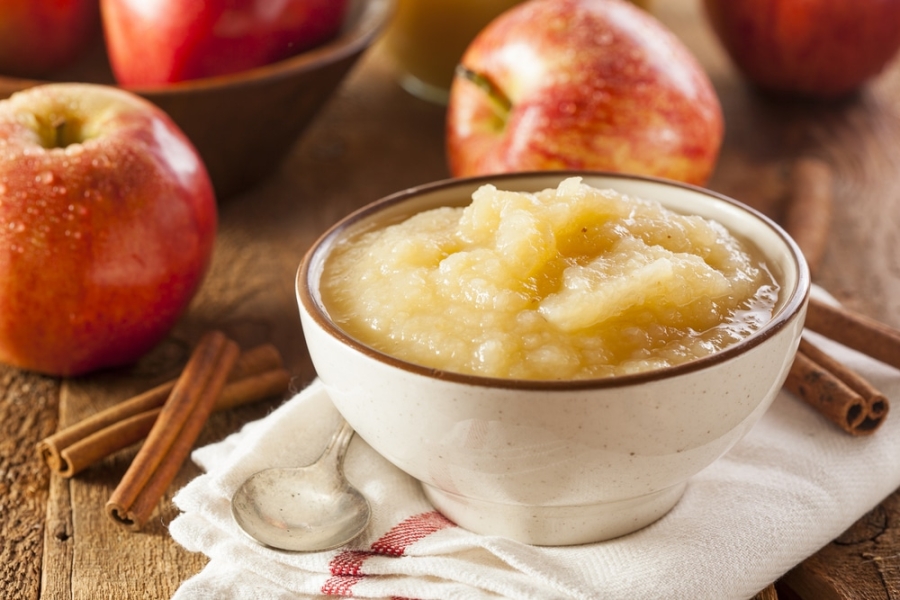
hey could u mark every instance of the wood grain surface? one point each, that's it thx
(370, 140)
(862, 563)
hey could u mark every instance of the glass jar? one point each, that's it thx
(427, 38)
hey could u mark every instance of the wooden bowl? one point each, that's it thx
(244, 124)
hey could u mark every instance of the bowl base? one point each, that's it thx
(555, 525)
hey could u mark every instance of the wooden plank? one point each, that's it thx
(93, 557)
(28, 407)
(59, 542)
(861, 564)
(86, 554)
(767, 594)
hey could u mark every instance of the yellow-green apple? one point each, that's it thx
(582, 84)
(107, 224)
(814, 48)
(165, 41)
(40, 36)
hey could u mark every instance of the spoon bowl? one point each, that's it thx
(303, 509)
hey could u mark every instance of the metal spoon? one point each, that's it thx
(306, 508)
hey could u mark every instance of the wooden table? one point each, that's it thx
(371, 140)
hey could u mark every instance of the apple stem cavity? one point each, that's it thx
(501, 102)
(60, 132)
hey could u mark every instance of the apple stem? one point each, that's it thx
(501, 100)
(59, 127)
(59, 132)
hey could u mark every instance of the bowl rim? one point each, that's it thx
(364, 21)
(309, 303)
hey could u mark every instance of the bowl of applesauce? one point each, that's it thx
(553, 355)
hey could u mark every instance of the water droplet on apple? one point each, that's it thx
(568, 108)
(45, 177)
(79, 209)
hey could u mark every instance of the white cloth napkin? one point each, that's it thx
(789, 487)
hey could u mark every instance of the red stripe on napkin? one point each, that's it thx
(348, 563)
(346, 567)
(340, 586)
(400, 537)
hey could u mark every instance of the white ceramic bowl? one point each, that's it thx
(557, 462)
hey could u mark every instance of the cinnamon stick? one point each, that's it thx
(60, 449)
(836, 391)
(85, 452)
(174, 431)
(95, 447)
(256, 387)
(877, 404)
(809, 211)
(821, 389)
(855, 330)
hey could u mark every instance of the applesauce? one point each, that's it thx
(571, 282)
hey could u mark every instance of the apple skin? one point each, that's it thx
(107, 226)
(41, 36)
(591, 84)
(815, 48)
(166, 41)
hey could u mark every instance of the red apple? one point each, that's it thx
(582, 84)
(166, 41)
(107, 224)
(40, 36)
(816, 48)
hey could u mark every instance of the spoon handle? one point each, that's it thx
(337, 446)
